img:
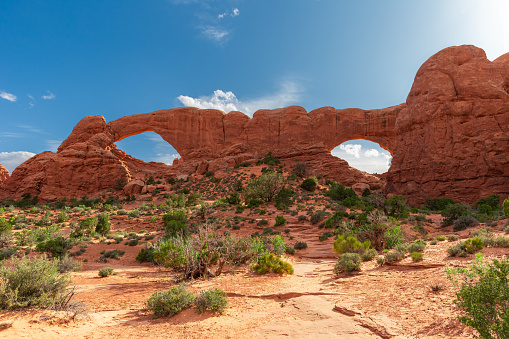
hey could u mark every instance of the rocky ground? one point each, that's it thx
(389, 301)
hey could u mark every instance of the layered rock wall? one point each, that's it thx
(4, 174)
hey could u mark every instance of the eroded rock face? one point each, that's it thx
(453, 137)
(449, 139)
(4, 174)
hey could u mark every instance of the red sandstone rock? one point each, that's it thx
(134, 187)
(4, 174)
(453, 138)
(449, 139)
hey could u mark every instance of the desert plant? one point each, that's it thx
(36, 282)
(271, 262)
(417, 246)
(300, 245)
(105, 272)
(394, 255)
(86, 228)
(170, 302)
(347, 262)
(417, 256)
(350, 245)
(463, 222)
(441, 237)
(214, 300)
(103, 224)
(300, 169)
(483, 296)
(369, 254)
(309, 184)
(339, 192)
(453, 212)
(280, 220)
(506, 207)
(57, 246)
(265, 187)
(66, 263)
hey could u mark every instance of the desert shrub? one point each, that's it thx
(453, 212)
(493, 201)
(325, 235)
(366, 192)
(264, 187)
(262, 222)
(105, 272)
(339, 192)
(300, 245)
(464, 222)
(501, 242)
(437, 204)
(86, 228)
(347, 262)
(57, 246)
(452, 238)
(283, 198)
(103, 224)
(506, 207)
(36, 282)
(417, 246)
(270, 160)
(441, 237)
(302, 218)
(175, 223)
(280, 220)
(5, 226)
(145, 255)
(309, 184)
(66, 264)
(394, 255)
(316, 217)
(62, 216)
(114, 254)
(234, 198)
(396, 206)
(135, 213)
(300, 169)
(350, 245)
(483, 296)
(457, 250)
(417, 256)
(132, 242)
(289, 250)
(271, 262)
(278, 245)
(334, 220)
(469, 246)
(369, 254)
(214, 300)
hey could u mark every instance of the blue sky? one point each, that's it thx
(63, 60)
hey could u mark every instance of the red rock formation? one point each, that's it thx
(453, 138)
(4, 174)
(449, 139)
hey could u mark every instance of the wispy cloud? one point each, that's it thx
(49, 96)
(11, 135)
(216, 34)
(32, 129)
(235, 12)
(53, 145)
(11, 160)
(289, 93)
(8, 96)
(371, 160)
(32, 100)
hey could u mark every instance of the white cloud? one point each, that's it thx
(215, 33)
(352, 149)
(235, 12)
(372, 153)
(11, 160)
(289, 93)
(167, 158)
(50, 96)
(8, 96)
(371, 161)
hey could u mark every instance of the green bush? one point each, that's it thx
(170, 302)
(57, 247)
(417, 256)
(417, 246)
(145, 255)
(441, 237)
(175, 223)
(506, 207)
(483, 296)
(300, 245)
(347, 262)
(300, 169)
(453, 212)
(214, 300)
(464, 222)
(103, 224)
(437, 204)
(339, 192)
(396, 206)
(36, 282)
(265, 187)
(283, 198)
(469, 246)
(5, 226)
(271, 262)
(309, 184)
(493, 201)
(369, 254)
(280, 220)
(350, 245)
(394, 255)
(86, 228)
(105, 272)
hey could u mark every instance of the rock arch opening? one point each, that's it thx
(148, 146)
(364, 155)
